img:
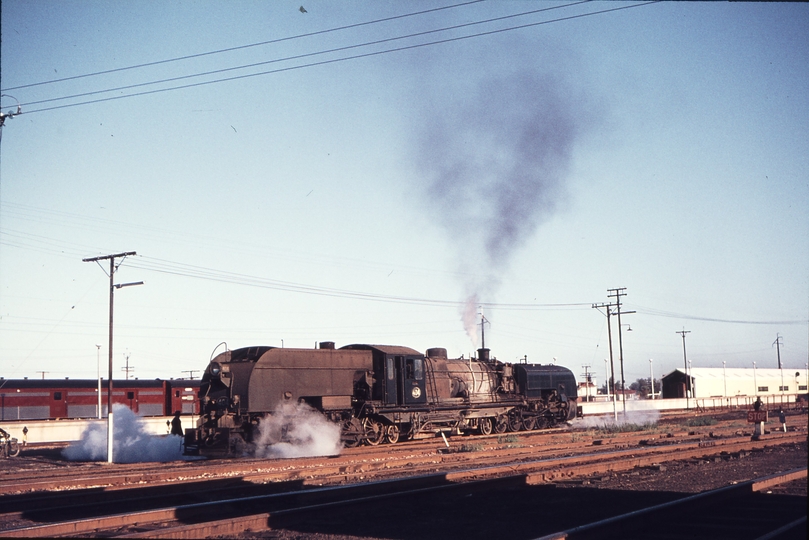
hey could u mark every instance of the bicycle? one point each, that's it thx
(10, 446)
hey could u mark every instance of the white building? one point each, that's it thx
(732, 382)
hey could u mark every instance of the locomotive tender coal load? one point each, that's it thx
(376, 393)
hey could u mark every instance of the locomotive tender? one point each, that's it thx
(376, 393)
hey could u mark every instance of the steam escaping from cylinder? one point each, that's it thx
(132, 443)
(297, 430)
(641, 418)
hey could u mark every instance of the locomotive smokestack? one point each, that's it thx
(327, 345)
(483, 355)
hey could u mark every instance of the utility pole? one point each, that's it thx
(617, 294)
(587, 379)
(113, 286)
(778, 342)
(98, 376)
(3, 115)
(683, 332)
(612, 363)
(483, 321)
(191, 372)
(127, 369)
(43, 374)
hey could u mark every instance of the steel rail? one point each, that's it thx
(146, 473)
(261, 521)
(528, 471)
(749, 486)
(205, 509)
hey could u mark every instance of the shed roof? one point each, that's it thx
(740, 373)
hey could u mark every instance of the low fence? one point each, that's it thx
(772, 402)
(52, 431)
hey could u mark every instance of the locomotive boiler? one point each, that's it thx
(376, 393)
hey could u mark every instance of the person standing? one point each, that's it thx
(177, 425)
(782, 417)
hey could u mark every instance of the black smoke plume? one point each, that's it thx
(495, 162)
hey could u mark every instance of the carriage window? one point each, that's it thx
(57, 396)
(414, 369)
(391, 374)
(417, 369)
(130, 395)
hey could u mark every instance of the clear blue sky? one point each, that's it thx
(314, 196)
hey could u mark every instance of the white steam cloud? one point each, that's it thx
(638, 417)
(131, 442)
(297, 430)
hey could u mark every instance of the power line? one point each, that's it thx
(238, 47)
(285, 59)
(52, 246)
(312, 64)
(210, 274)
(22, 240)
(659, 313)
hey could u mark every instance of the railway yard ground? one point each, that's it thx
(687, 475)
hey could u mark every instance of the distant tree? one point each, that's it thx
(642, 387)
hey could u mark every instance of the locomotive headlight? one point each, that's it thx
(216, 369)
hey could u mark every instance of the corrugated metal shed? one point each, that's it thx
(728, 382)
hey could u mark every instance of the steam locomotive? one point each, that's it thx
(376, 393)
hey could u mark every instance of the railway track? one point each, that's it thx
(61, 475)
(352, 464)
(153, 507)
(713, 514)
(350, 460)
(734, 512)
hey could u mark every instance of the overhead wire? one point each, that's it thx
(660, 313)
(210, 274)
(25, 239)
(22, 240)
(295, 57)
(311, 64)
(35, 242)
(240, 47)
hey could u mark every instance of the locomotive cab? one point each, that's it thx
(400, 376)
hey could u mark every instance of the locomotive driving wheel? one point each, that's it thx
(529, 423)
(485, 426)
(501, 424)
(515, 422)
(392, 434)
(374, 432)
(352, 433)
